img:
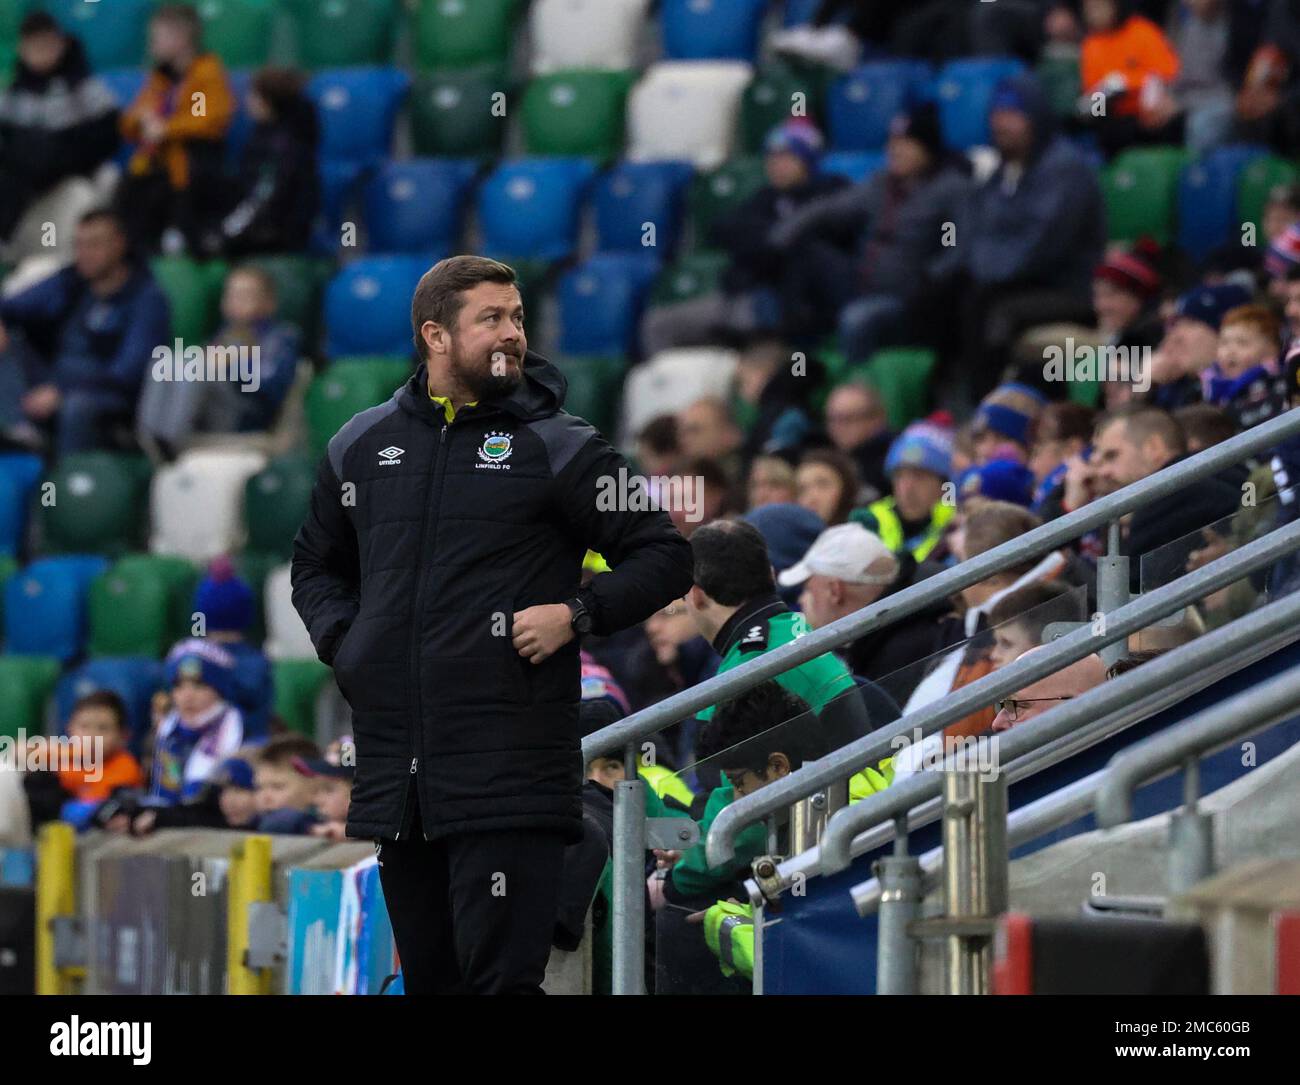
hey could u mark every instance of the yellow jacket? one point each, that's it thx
(199, 107)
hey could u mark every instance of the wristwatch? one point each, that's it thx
(581, 620)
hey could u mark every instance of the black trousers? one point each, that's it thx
(473, 913)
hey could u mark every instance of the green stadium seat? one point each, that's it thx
(902, 376)
(100, 503)
(193, 290)
(131, 611)
(594, 389)
(11, 17)
(690, 276)
(28, 682)
(1059, 77)
(451, 112)
(347, 387)
(1141, 191)
(238, 31)
(769, 101)
(1257, 180)
(343, 33)
(8, 566)
(276, 501)
(457, 33)
(298, 683)
(576, 113)
(181, 577)
(715, 194)
(299, 283)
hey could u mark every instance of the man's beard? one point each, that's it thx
(482, 380)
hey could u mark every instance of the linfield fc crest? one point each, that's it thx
(496, 448)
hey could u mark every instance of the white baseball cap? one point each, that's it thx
(845, 552)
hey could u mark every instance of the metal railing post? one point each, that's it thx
(1113, 589)
(808, 818)
(628, 919)
(975, 876)
(1191, 835)
(901, 893)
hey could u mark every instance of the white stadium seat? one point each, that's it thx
(686, 110)
(286, 636)
(196, 503)
(586, 34)
(672, 380)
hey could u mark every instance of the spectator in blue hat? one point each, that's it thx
(1007, 415)
(997, 480)
(788, 530)
(226, 603)
(1191, 344)
(914, 518)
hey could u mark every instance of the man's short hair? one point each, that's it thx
(732, 564)
(1142, 422)
(440, 295)
(747, 729)
(998, 522)
(103, 214)
(184, 16)
(1205, 421)
(38, 22)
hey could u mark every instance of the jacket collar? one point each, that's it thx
(760, 608)
(539, 395)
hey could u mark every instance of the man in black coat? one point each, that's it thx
(438, 572)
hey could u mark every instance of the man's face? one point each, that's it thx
(852, 417)
(100, 248)
(42, 52)
(1242, 346)
(704, 431)
(168, 41)
(607, 771)
(1189, 347)
(906, 157)
(767, 487)
(747, 781)
(1100, 15)
(819, 600)
(820, 490)
(244, 300)
(1116, 308)
(916, 492)
(1013, 132)
(486, 349)
(785, 170)
(1048, 453)
(668, 628)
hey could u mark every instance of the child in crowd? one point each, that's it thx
(285, 792)
(228, 608)
(227, 801)
(1243, 378)
(331, 796)
(1019, 619)
(202, 729)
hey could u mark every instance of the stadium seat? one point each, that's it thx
(457, 33)
(770, 99)
(594, 34)
(673, 380)
(863, 103)
(902, 376)
(358, 108)
(417, 205)
(632, 194)
(1140, 188)
(452, 112)
(45, 606)
(193, 291)
(133, 678)
(691, 276)
(276, 501)
(717, 194)
(238, 31)
(340, 392)
(286, 636)
(601, 301)
(299, 281)
(855, 165)
(13, 515)
(129, 612)
(28, 682)
(180, 575)
(368, 305)
(114, 34)
(964, 90)
(576, 113)
(711, 29)
(1207, 199)
(11, 16)
(343, 33)
(594, 384)
(298, 683)
(800, 12)
(8, 567)
(99, 504)
(686, 112)
(1259, 177)
(1060, 80)
(197, 502)
(338, 190)
(529, 207)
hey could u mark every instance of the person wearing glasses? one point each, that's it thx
(1045, 694)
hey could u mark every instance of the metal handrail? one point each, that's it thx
(1262, 706)
(941, 586)
(1063, 720)
(871, 748)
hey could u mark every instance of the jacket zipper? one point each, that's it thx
(417, 744)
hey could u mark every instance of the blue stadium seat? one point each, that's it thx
(634, 193)
(601, 301)
(855, 165)
(133, 678)
(113, 33)
(241, 127)
(368, 306)
(528, 208)
(964, 89)
(45, 606)
(338, 188)
(19, 473)
(1207, 199)
(712, 29)
(358, 108)
(862, 103)
(417, 205)
(800, 12)
(124, 84)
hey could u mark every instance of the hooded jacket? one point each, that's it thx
(424, 537)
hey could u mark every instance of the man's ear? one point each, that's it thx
(435, 337)
(778, 765)
(696, 598)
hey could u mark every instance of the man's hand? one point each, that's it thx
(41, 402)
(1078, 483)
(540, 632)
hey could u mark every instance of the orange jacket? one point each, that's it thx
(199, 107)
(120, 770)
(977, 722)
(1137, 50)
